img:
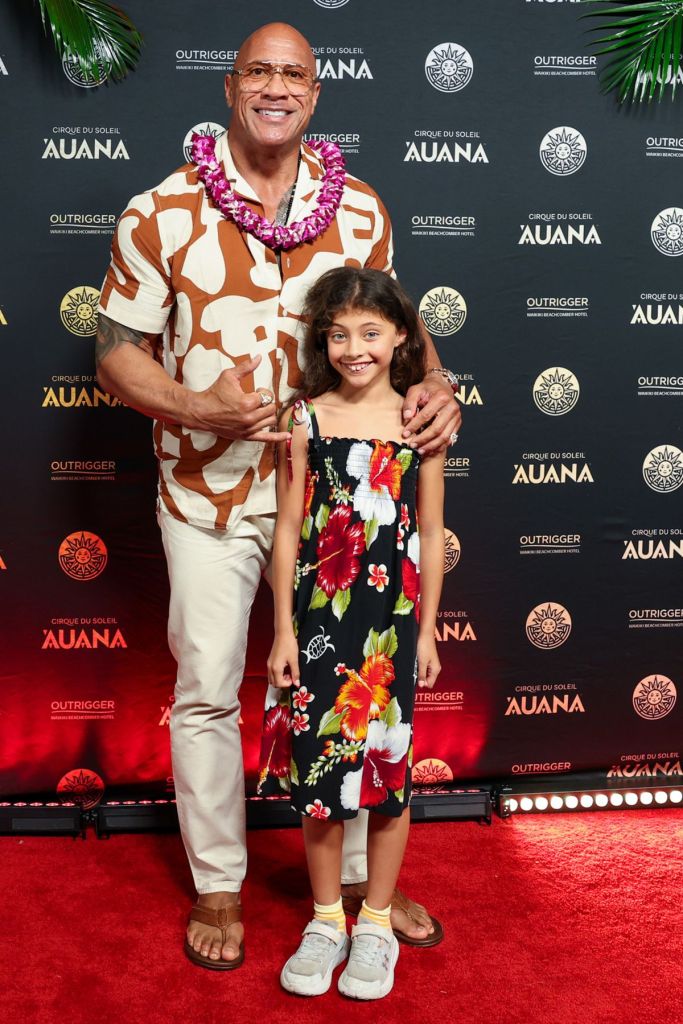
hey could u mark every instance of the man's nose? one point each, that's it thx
(275, 87)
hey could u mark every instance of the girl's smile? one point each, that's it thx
(361, 344)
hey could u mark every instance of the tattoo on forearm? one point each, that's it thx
(111, 335)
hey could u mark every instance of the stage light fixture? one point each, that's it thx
(38, 817)
(555, 795)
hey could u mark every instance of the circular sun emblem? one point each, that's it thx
(663, 468)
(654, 697)
(452, 550)
(81, 786)
(78, 310)
(548, 625)
(431, 772)
(71, 67)
(82, 556)
(556, 391)
(211, 128)
(667, 232)
(330, 3)
(443, 310)
(449, 67)
(563, 150)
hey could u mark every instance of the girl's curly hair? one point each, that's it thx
(346, 288)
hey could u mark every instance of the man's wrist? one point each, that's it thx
(447, 376)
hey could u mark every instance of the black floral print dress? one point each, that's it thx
(342, 739)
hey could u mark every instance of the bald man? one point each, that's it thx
(199, 329)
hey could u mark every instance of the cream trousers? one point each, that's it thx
(214, 576)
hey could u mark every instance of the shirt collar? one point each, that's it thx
(308, 182)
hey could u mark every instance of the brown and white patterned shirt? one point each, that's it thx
(217, 297)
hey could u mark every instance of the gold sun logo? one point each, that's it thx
(663, 468)
(82, 555)
(548, 625)
(654, 697)
(451, 550)
(78, 310)
(431, 772)
(81, 786)
(443, 310)
(556, 391)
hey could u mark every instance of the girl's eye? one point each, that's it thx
(336, 336)
(372, 335)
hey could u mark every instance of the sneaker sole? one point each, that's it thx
(354, 988)
(307, 986)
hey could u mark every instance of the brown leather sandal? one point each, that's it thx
(221, 918)
(352, 904)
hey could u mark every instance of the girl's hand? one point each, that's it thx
(428, 664)
(283, 662)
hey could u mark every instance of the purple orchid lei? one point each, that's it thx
(275, 236)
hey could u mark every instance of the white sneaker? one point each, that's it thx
(309, 971)
(369, 973)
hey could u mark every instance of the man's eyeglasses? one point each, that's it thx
(257, 75)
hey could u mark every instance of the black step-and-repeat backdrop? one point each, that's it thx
(540, 230)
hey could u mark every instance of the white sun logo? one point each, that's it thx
(548, 625)
(449, 67)
(667, 232)
(563, 150)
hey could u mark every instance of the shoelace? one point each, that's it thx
(315, 947)
(367, 949)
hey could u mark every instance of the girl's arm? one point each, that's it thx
(283, 663)
(430, 494)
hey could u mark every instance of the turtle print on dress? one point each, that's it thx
(342, 739)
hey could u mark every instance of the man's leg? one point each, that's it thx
(214, 576)
(415, 921)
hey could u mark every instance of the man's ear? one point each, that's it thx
(229, 98)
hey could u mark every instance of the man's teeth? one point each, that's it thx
(274, 113)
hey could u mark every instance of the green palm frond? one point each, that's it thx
(94, 32)
(644, 43)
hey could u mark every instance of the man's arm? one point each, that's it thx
(126, 368)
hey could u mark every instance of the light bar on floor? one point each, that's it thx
(39, 817)
(559, 797)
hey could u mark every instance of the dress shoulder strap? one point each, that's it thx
(302, 412)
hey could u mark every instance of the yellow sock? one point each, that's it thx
(382, 918)
(332, 913)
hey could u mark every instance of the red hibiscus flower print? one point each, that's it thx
(385, 762)
(339, 545)
(411, 584)
(364, 696)
(276, 744)
(317, 810)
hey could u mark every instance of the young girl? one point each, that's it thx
(356, 594)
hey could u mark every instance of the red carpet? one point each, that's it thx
(569, 919)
